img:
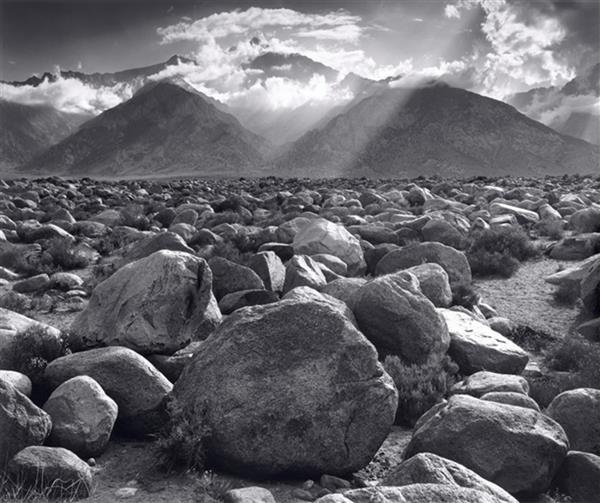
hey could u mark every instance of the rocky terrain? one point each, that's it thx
(271, 340)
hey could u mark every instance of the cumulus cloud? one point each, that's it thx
(223, 24)
(68, 95)
(520, 47)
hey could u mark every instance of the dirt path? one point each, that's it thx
(527, 299)
(133, 465)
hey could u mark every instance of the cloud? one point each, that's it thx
(223, 24)
(451, 11)
(68, 95)
(520, 48)
(350, 33)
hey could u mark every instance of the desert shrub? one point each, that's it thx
(566, 294)
(498, 251)
(559, 497)
(15, 490)
(14, 301)
(64, 256)
(465, 295)
(34, 349)
(182, 443)
(420, 387)
(576, 354)
(531, 339)
(28, 261)
(553, 229)
(210, 485)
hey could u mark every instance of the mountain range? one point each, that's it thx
(166, 127)
(568, 107)
(26, 130)
(170, 128)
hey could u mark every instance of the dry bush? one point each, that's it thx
(34, 349)
(531, 339)
(566, 294)
(182, 444)
(576, 354)
(420, 387)
(64, 255)
(41, 490)
(498, 251)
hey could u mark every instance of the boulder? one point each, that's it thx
(331, 262)
(229, 277)
(434, 283)
(249, 495)
(83, 416)
(585, 220)
(305, 293)
(52, 470)
(128, 378)
(323, 236)
(475, 346)
(151, 244)
(158, 304)
(400, 320)
(576, 247)
(442, 232)
(453, 261)
(427, 468)
(289, 388)
(270, 269)
(516, 448)
(511, 398)
(32, 284)
(236, 300)
(483, 382)
(344, 289)
(20, 381)
(522, 215)
(414, 493)
(22, 423)
(301, 270)
(579, 477)
(578, 412)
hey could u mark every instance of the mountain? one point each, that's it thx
(292, 66)
(165, 128)
(286, 124)
(435, 129)
(104, 79)
(571, 109)
(26, 130)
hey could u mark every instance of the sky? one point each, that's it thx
(494, 47)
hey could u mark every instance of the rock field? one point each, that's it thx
(269, 340)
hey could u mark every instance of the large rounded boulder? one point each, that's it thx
(158, 304)
(578, 412)
(475, 346)
(427, 468)
(517, 448)
(289, 388)
(323, 236)
(395, 316)
(22, 423)
(454, 262)
(137, 387)
(413, 493)
(83, 416)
